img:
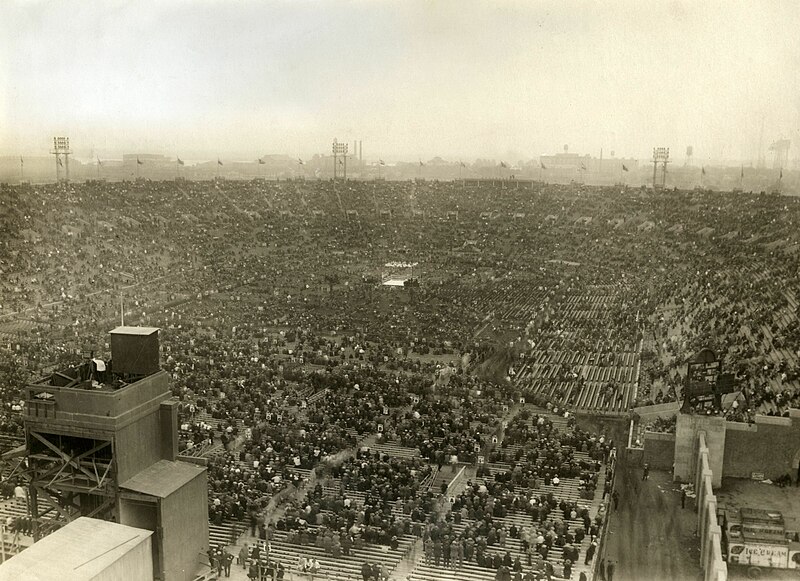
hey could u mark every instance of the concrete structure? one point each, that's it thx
(687, 434)
(86, 549)
(659, 450)
(708, 529)
(84, 436)
(769, 446)
(164, 497)
(102, 441)
(704, 449)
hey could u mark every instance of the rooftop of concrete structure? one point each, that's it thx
(78, 551)
(69, 378)
(162, 478)
(126, 330)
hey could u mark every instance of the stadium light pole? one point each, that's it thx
(339, 150)
(61, 147)
(660, 155)
(334, 150)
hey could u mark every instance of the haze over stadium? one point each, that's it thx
(412, 79)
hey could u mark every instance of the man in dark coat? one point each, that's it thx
(590, 553)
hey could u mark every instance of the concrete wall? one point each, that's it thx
(142, 515)
(771, 446)
(184, 518)
(135, 565)
(662, 410)
(105, 408)
(168, 413)
(688, 428)
(659, 450)
(138, 445)
(714, 568)
(634, 456)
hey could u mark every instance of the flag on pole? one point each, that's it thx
(180, 161)
(341, 162)
(99, 162)
(421, 164)
(542, 165)
(219, 162)
(583, 167)
(462, 164)
(300, 161)
(503, 164)
(261, 161)
(139, 161)
(781, 176)
(21, 161)
(58, 159)
(381, 162)
(702, 171)
(624, 167)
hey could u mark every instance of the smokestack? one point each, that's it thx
(355, 149)
(360, 150)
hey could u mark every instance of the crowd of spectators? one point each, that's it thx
(184, 253)
(284, 349)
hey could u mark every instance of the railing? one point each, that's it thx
(40, 408)
(10, 546)
(612, 462)
(456, 482)
(426, 484)
(318, 395)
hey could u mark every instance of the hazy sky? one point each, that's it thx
(410, 78)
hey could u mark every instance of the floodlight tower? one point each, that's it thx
(339, 150)
(655, 167)
(61, 147)
(660, 155)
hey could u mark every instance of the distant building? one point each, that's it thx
(566, 161)
(566, 166)
(149, 158)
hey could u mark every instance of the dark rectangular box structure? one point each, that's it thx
(134, 350)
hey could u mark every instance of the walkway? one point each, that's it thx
(650, 536)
